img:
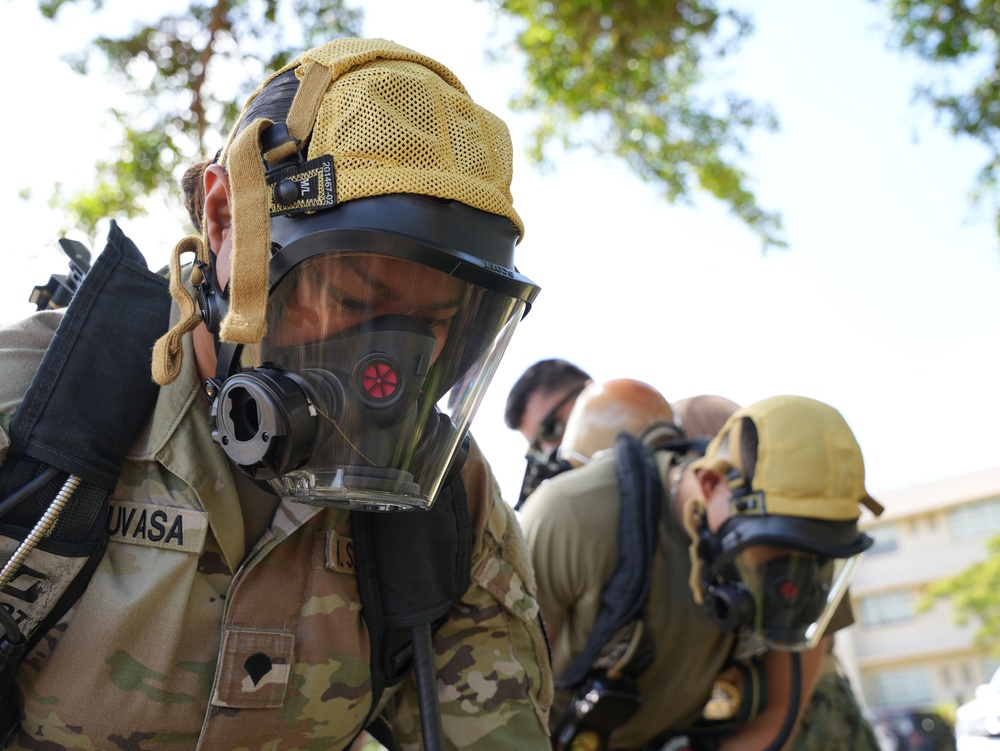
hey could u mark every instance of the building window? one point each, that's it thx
(891, 607)
(903, 687)
(885, 539)
(975, 520)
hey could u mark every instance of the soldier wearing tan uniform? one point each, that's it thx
(753, 554)
(355, 288)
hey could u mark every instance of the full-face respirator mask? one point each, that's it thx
(361, 394)
(774, 584)
(351, 398)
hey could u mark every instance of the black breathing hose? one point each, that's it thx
(11, 501)
(793, 703)
(427, 698)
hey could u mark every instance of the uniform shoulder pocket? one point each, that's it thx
(504, 569)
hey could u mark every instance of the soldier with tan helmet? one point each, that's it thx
(747, 569)
(833, 719)
(304, 540)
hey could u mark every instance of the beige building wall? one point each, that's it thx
(905, 650)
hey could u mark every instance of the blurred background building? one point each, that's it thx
(900, 653)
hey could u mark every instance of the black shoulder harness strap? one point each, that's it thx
(83, 410)
(412, 568)
(625, 594)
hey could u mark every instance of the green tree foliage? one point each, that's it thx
(626, 77)
(621, 76)
(975, 596)
(961, 35)
(175, 116)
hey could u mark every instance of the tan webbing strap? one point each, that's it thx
(305, 105)
(167, 352)
(245, 322)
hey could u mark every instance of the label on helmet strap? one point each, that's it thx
(301, 187)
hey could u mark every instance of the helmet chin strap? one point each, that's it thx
(168, 352)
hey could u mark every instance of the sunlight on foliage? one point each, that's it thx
(975, 596)
(176, 115)
(624, 78)
(960, 36)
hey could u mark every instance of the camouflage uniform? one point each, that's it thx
(186, 640)
(833, 720)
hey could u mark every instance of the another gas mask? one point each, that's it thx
(540, 466)
(786, 543)
(766, 576)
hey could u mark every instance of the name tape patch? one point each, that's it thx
(164, 527)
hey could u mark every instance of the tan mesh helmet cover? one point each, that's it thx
(394, 121)
(395, 126)
(808, 461)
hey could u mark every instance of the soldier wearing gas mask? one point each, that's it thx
(538, 405)
(746, 572)
(305, 498)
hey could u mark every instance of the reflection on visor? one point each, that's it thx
(362, 391)
(794, 594)
(330, 294)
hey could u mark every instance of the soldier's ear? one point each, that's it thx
(219, 220)
(716, 494)
(218, 217)
(708, 480)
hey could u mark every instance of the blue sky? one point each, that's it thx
(884, 304)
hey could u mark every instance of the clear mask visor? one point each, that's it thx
(363, 389)
(795, 594)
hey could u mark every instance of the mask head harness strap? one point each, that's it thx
(728, 604)
(244, 322)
